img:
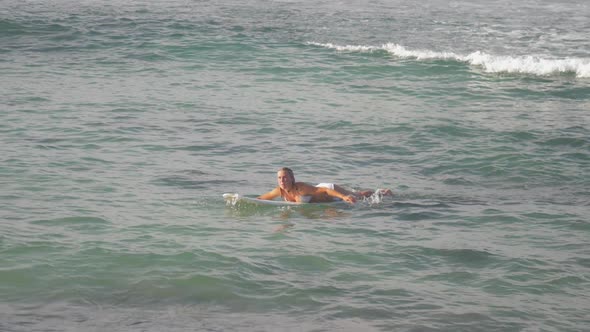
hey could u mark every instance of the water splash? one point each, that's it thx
(377, 197)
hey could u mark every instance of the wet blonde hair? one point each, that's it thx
(289, 171)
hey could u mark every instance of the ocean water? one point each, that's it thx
(123, 122)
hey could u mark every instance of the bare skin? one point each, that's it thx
(292, 191)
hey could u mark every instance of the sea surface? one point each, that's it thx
(122, 123)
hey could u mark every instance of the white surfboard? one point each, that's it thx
(233, 198)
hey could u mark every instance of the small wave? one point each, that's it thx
(529, 64)
(8, 28)
(78, 220)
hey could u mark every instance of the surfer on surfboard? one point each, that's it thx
(302, 192)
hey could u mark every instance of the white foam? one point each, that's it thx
(529, 64)
(532, 65)
(350, 48)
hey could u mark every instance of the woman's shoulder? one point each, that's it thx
(302, 186)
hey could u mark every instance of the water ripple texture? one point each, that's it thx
(123, 123)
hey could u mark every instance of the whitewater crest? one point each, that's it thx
(530, 64)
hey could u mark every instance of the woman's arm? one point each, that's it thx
(269, 196)
(337, 194)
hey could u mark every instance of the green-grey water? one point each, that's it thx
(123, 123)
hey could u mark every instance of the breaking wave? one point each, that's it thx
(532, 65)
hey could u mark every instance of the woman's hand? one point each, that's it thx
(349, 199)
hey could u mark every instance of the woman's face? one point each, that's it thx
(285, 180)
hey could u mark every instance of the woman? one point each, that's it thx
(292, 191)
